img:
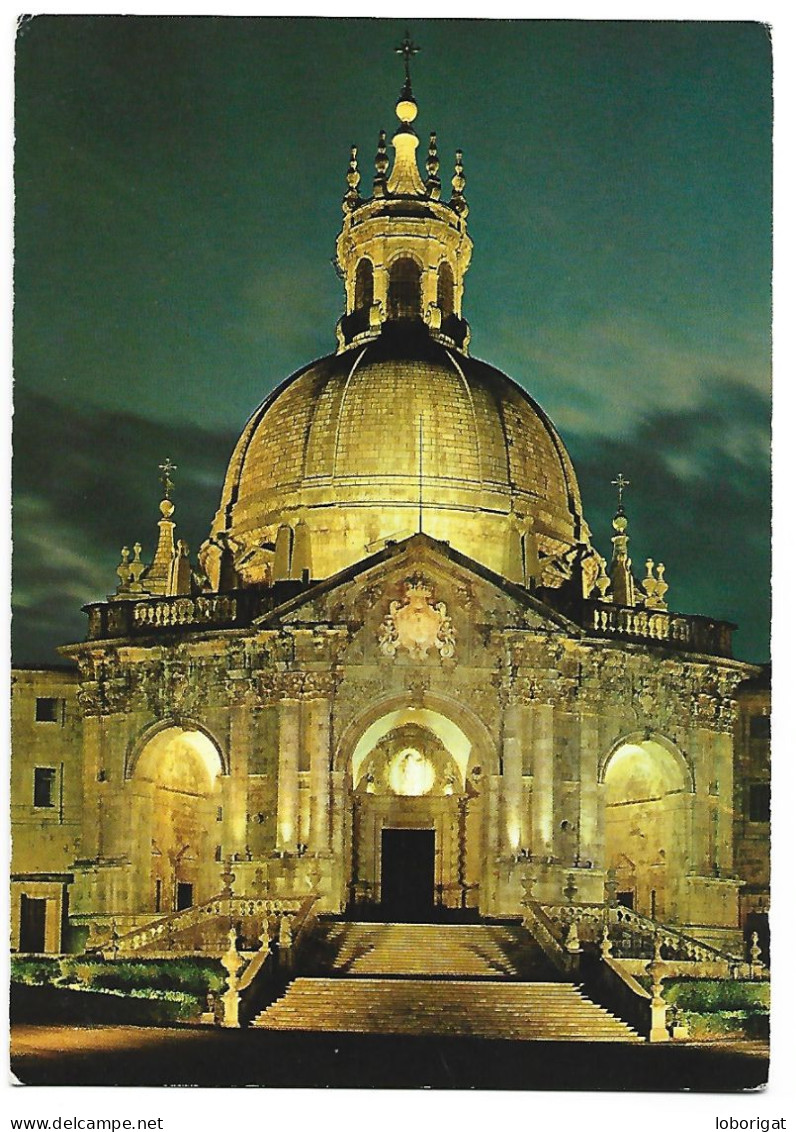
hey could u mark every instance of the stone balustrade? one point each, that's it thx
(689, 634)
(163, 935)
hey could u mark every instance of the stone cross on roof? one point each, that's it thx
(165, 476)
(620, 483)
(407, 49)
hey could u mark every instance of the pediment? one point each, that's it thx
(419, 598)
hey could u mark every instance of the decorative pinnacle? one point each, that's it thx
(458, 181)
(620, 483)
(165, 477)
(353, 178)
(432, 167)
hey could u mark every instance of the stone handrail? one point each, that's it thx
(692, 634)
(544, 931)
(218, 907)
(591, 918)
(147, 613)
(682, 946)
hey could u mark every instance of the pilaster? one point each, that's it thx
(287, 791)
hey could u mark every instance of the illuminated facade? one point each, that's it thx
(401, 677)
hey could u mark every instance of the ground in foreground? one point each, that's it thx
(130, 1055)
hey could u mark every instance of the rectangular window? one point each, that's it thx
(48, 709)
(760, 801)
(44, 786)
(760, 727)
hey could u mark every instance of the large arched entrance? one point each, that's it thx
(647, 800)
(176, 811)
(415, 833)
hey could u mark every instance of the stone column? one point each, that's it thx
(589, 847)
(91, 832)
(701, 751)
(511, 822)
(318, 737)
(235, 788)
(491, 841)
(542, 799)
(287, 791)
(340, 842)
(723, 771)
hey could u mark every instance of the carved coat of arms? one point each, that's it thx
(417, 625)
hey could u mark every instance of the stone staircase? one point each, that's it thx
(488, 981)
(451, 1007)
(428, 950)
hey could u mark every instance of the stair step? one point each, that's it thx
(526, 1011)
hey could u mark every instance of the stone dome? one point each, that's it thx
(333, 458)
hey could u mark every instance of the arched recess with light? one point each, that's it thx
(648, 787)
(175, 810)
(414, 784)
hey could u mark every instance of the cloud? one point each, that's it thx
(699, 501)
(609, 372)
(85, 483)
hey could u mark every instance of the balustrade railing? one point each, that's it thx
(163, 934)
(131, 617)
(632, 935)
(693, 634)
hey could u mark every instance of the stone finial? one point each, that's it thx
(228, 877)
(662, 585)
(603, 583)
(285, 934)
(755, 952)
(124, 572)
(605, 943)
(137, 568)
(622, 584)
(352, 198)
(458, 181)
(654, 588)
(656, 969)
(382, 163)
(232, 962)
(433, 183)
(572, 941)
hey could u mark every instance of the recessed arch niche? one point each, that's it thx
(647, 797)
(177, 818)
(413, 768)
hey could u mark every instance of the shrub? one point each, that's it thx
(705, 996)
(192, 978)
(725, 1023)
(34, 972)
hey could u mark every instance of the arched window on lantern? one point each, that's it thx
(445, 289)
(403, 295)
(363, 288)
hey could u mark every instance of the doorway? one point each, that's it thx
(184, 895)
(32, 921)
(407, 874)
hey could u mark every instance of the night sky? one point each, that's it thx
(178, 188)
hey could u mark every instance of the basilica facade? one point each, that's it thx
(399, 676)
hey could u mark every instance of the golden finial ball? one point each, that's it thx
(406, 109)
(166, 508)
